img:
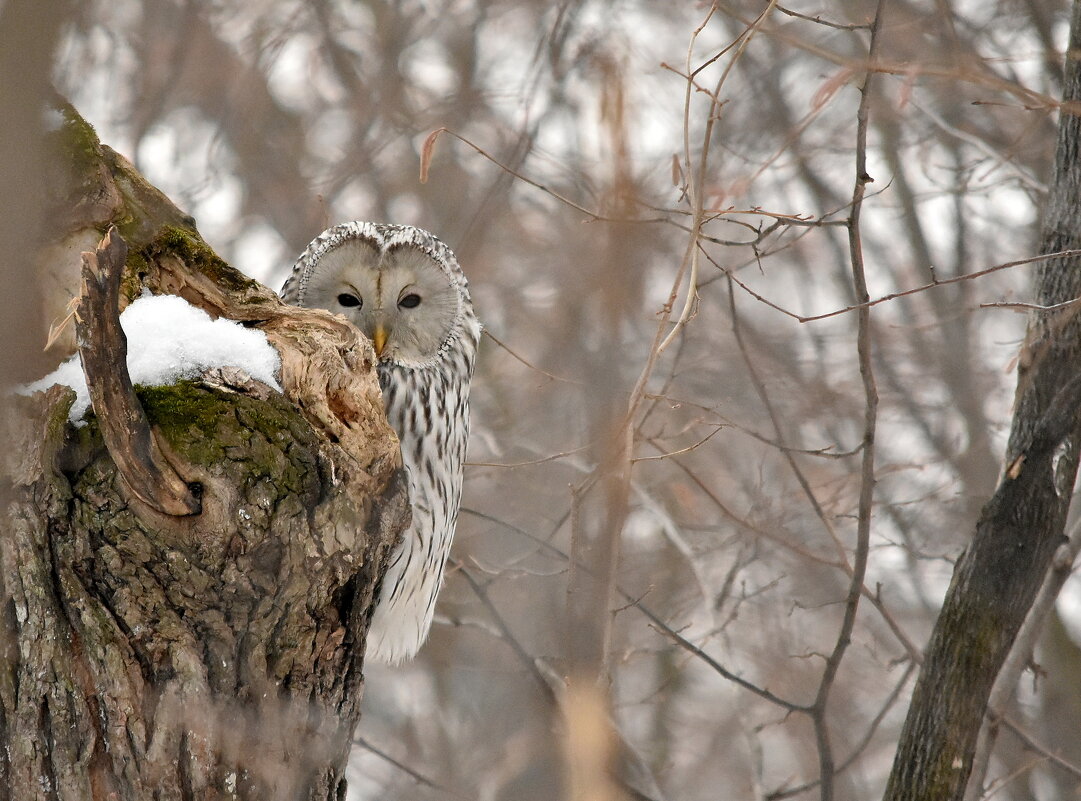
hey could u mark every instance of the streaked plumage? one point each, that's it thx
(404, 289)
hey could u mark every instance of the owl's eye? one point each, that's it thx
(410, 301)
(349, 301)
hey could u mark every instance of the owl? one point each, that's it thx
(404, 289)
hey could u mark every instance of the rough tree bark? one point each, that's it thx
(213, 652)
(997, 578)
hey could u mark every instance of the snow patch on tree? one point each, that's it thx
(170, 340)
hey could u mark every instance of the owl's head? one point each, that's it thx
(399, 285)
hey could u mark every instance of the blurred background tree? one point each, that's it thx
(626, 170)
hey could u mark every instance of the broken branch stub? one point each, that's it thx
(131, 442)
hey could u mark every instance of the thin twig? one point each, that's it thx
(1030, 99)
(418, 777)
(523, 656)
(827, 768)
(547, 690)
(788, 792)
(658, 623)
(691, 648)
(873, 598)
(1032, 744)
(819, 21)
(486, 332)
(778, 432)
(764, 533)
(1062, 254)
(688, 449)
(1003, 304)
(531, 462)
(429, 144)
(824, 452)
(696, 189)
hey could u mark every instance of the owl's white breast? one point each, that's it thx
(429, 410)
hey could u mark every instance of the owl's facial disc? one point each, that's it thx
(401, 299)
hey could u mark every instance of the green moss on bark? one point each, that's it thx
(77, 144)
(264, 446)
(144, 211)
(186, 245)
(209, 427)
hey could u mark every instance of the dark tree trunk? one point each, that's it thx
(214, 655)
(998, 576)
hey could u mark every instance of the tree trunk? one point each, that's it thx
(998, 576)
(214, 655)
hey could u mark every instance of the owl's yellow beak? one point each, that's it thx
(379, 339)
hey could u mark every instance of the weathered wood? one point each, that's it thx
(104, 351)
(997, 578)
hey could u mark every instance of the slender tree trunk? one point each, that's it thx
(998, 576)
(212, 650)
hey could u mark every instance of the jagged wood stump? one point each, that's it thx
(197, 636)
